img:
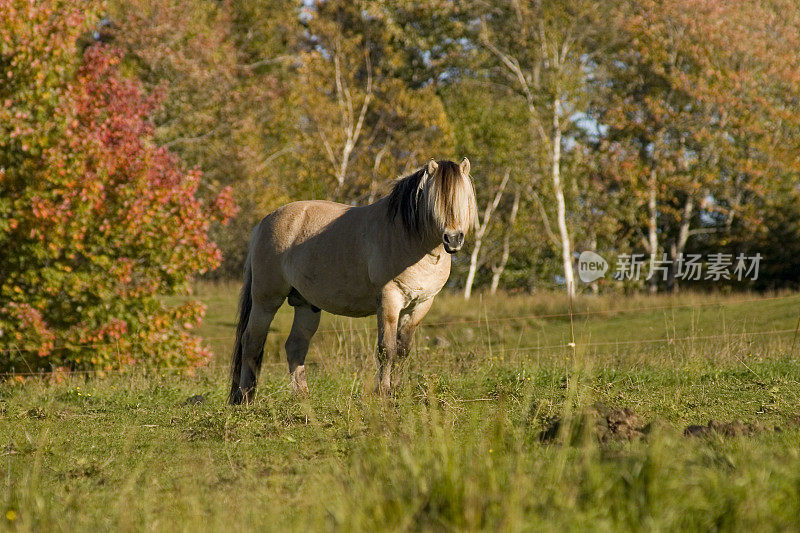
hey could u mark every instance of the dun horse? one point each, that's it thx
(387, 258)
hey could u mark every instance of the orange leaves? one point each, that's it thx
(99, 222)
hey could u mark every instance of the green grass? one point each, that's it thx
(459, 447)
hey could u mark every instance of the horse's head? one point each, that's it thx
(448, 197)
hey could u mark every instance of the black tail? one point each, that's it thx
(235, 396)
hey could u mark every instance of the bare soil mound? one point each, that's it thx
(735, 428)
(604, 423)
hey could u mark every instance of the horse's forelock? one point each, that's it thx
(450, 199)
(445, 200)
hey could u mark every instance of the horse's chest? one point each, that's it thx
(423, 280)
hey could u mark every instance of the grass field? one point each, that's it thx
(499, 424)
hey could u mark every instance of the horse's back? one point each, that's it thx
(282, 228)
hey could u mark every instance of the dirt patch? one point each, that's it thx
(83, 470)
(197, 399)
(736, 428)
(603, 423)
(37, 413)
(622, 424)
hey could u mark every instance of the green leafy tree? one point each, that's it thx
(490, 126)
(360, 125)
(545, 51)
(224, 71)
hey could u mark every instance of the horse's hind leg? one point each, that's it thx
(305, 324)
(255, 335)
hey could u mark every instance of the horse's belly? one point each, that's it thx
(336, 286)
(351, 309)
(341, 300)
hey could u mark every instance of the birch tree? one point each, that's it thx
(695, 103)
(490, 125)
(500, 266)
(360, 125)
(480, 233)
(544, 51)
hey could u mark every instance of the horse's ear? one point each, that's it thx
(464, 165)
(432, 166)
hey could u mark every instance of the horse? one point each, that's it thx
(389, 258)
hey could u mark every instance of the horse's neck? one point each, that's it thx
(390, 234)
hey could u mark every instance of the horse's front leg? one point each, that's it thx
(408, 325)
(389, 308)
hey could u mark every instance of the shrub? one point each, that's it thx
(97, 223)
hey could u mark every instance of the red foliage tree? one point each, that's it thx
(99, 223)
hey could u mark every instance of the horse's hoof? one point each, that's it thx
(240, 397)
(298, 381)
(300, 388)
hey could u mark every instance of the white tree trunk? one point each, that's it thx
(497, 271)
(351, 124)
(516, 71)
(679, 245)
(473, 266)
(479, 233)
(686, 219)
(561, 208)
(652, 228)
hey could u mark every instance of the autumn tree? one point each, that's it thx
(696, 101)
(490, 126)
(99, 223)
(224, 72)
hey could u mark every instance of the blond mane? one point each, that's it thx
(434, 203)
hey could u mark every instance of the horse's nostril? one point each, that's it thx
(446, 238)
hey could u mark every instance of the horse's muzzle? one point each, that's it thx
(453, 241)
